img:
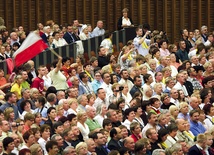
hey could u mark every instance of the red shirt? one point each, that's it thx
(38, 83)
(135, 138)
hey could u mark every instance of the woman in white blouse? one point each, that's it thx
(83, 127)
(124, 21)
(84, 34)
(101, 114)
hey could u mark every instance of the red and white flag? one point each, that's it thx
(32, 46)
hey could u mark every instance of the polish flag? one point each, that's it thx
(32, 46)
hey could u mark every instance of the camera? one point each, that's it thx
(121, 88)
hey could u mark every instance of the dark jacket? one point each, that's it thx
(133, 90)
(189, 87)
(69, 38)
(101, 151)
(114, 145)
(194, 150)
(102, 61)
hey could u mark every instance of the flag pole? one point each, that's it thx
(54, 52)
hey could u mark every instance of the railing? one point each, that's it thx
(90, 48)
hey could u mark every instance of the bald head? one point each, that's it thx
(180, 124)
(129, 143)
(194, 102)
(100, 24)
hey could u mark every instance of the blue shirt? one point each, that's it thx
(97, 32)
(7, 105)
(196, 128)
(95, 85)
(182, 116)
(43, 112)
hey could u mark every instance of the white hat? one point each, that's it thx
(84, 26)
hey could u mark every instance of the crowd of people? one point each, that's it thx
(154, 98)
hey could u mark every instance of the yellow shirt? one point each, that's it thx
(18, 89)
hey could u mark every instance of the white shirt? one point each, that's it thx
(107, 88)
(208, 122)
(182, 87)
(24, 113)
(84, 130)
(126, 21)
(99, 102)
(58, 42)
(127, 97)
(176, 102)
(148, 125)
(47, 81)
(71, 111)
(170, 141)
(141, 50)
(100, 119)
(42, 143)
(107, 43)
(127, 123)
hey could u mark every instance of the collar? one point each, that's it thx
(198, 146)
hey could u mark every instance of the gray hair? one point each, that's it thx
(79, 99)
(99, 109)
(175, 148)
(158, 151)
(67, 150)
(203, 27)
(73, 78)
(54, 136)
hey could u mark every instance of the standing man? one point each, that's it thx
(38, 82)
(140, 42)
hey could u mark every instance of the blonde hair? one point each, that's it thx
(201, 138)
(151, 61)
(33, 90)
(80, 146)
(182, 105)
(207, 64)
(58, 107)
(125, 10)
(141, 66)
(156, 85)
(166, 69)
(16, 78)
(71, 101)
(80, 114)
(7, 112)
(172, 108)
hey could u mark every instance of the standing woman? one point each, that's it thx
(124, 21)
(17, 87)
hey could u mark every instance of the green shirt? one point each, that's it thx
(25, 85)
(92, 124)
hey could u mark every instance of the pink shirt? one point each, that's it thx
(164, 52)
